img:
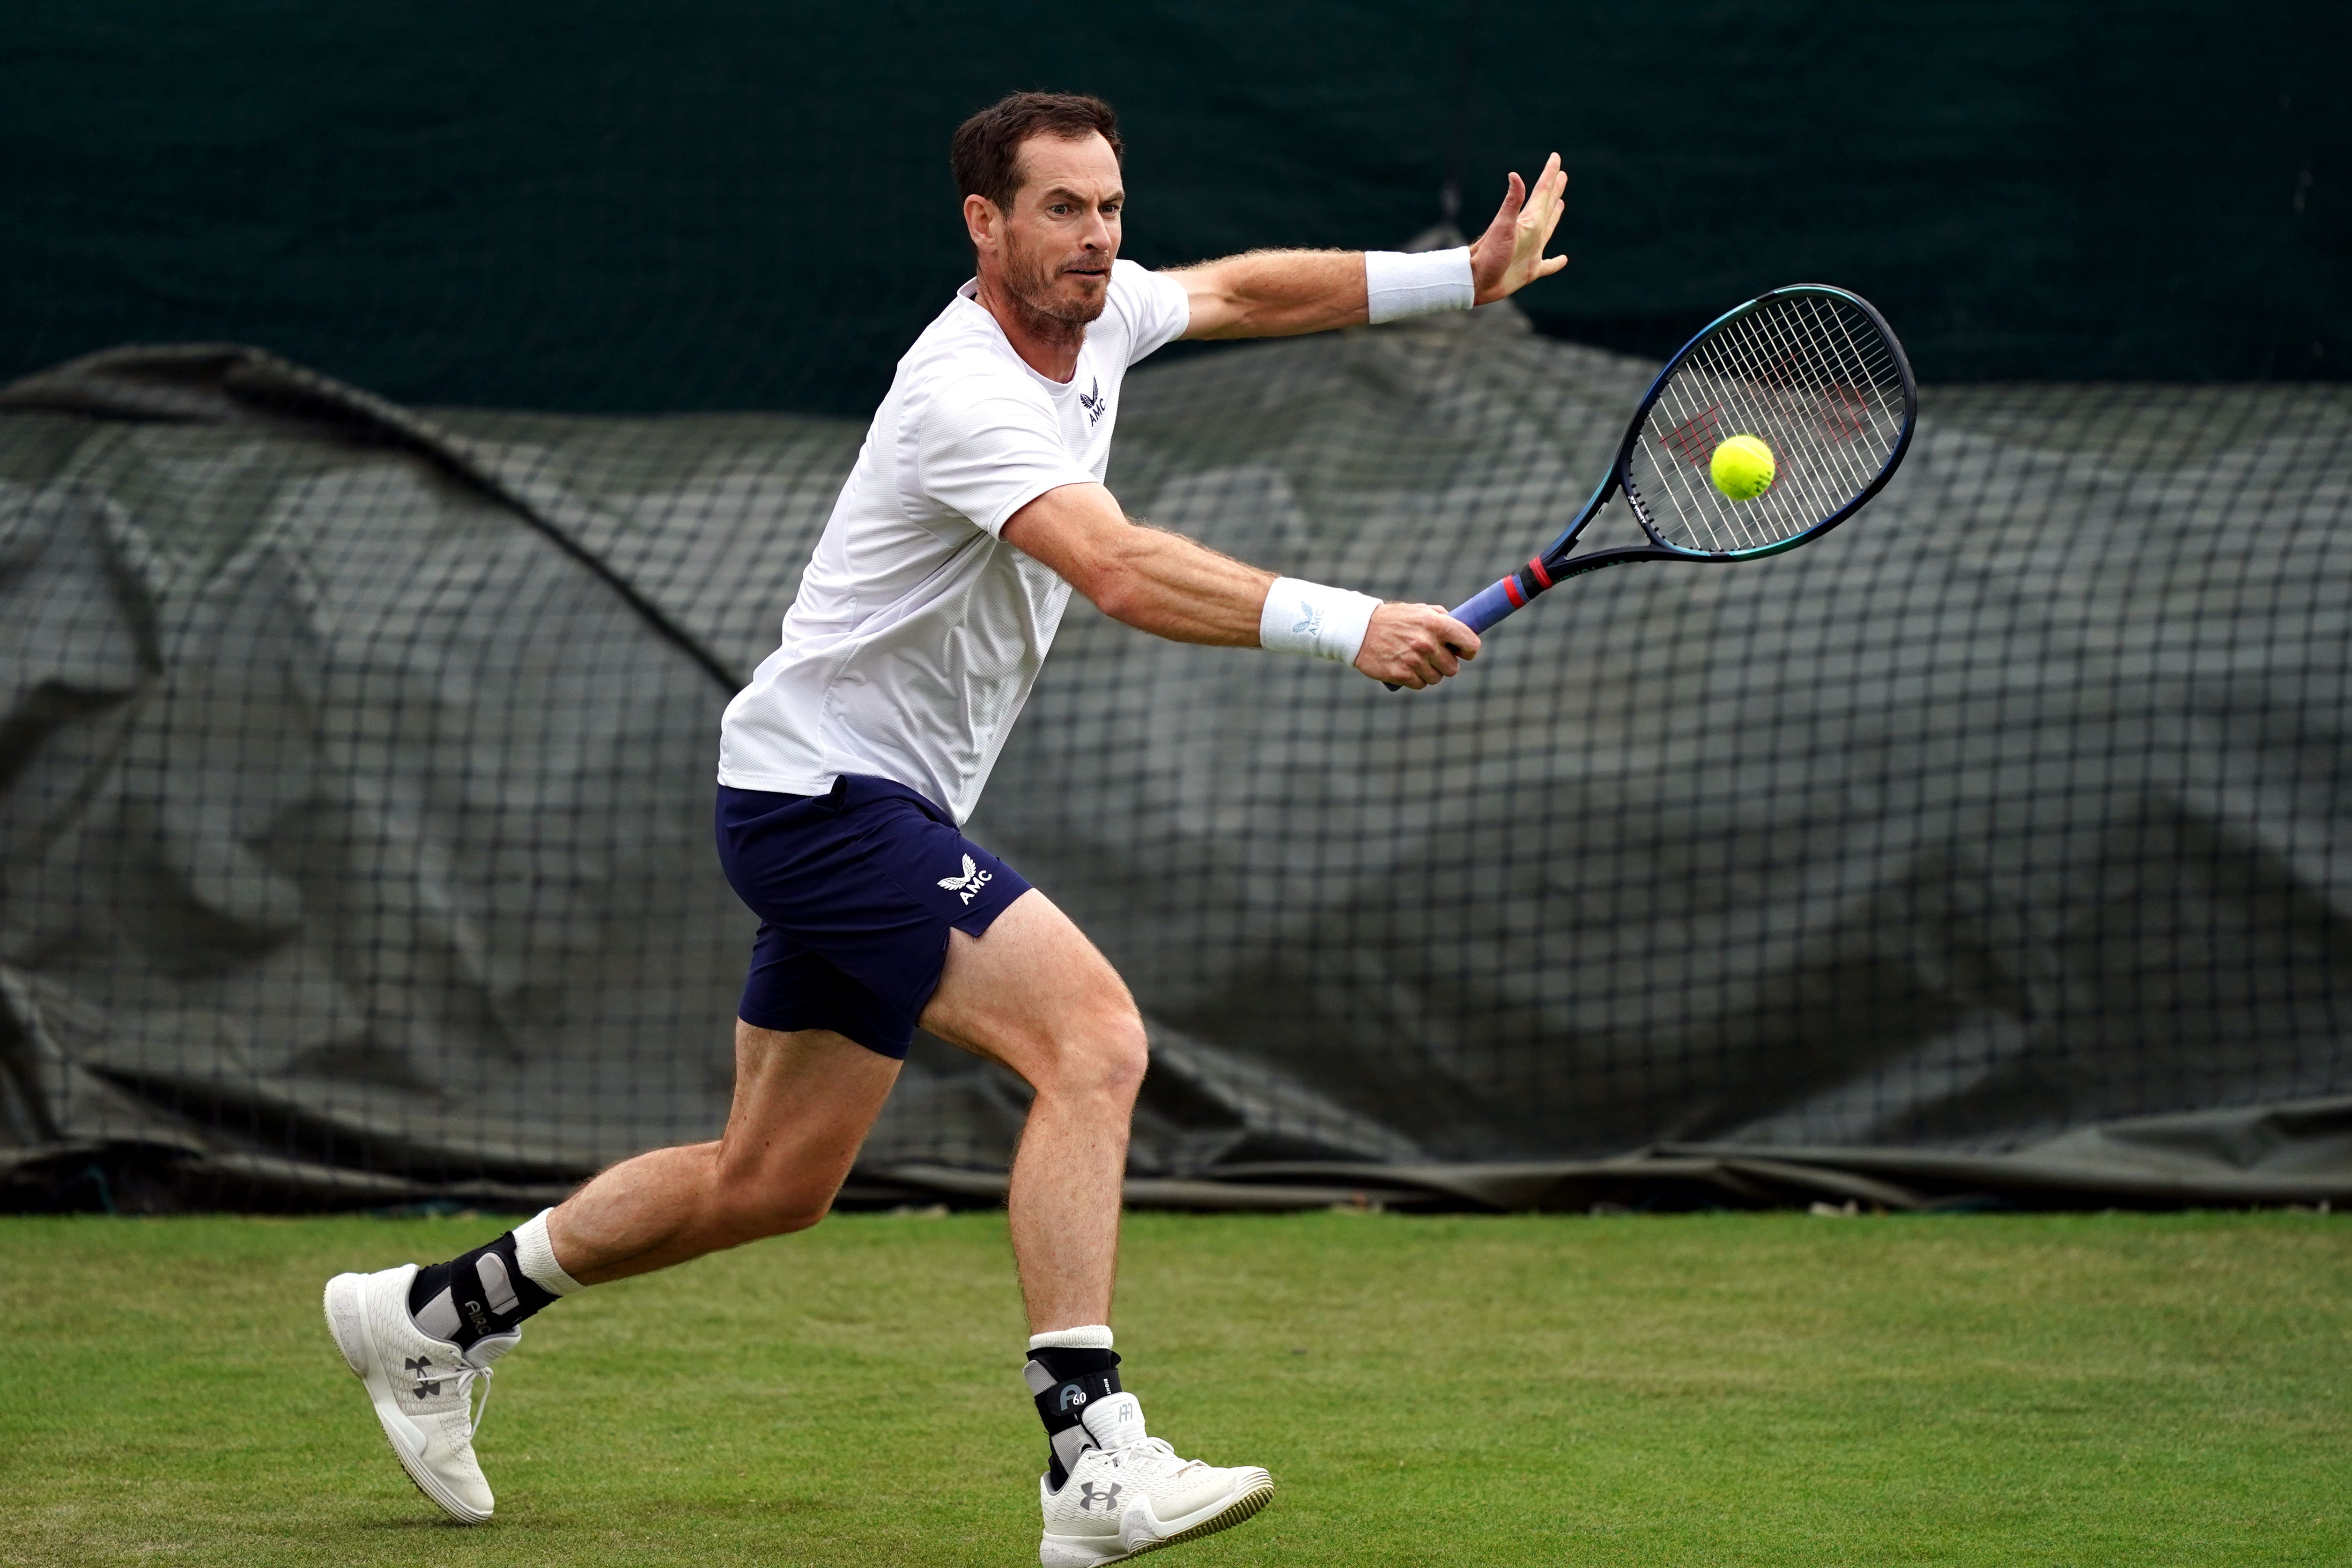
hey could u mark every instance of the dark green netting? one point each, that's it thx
(357, 766)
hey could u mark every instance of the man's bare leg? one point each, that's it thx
(419, 1339)
(1037, 995)
(803, 1103)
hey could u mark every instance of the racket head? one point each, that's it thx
(1812, 370)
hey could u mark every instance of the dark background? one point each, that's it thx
(707, 205)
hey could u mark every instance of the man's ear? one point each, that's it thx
(981, 221)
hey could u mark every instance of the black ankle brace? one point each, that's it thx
(487, 1293)
(1064, 1383)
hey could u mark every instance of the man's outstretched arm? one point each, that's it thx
(1282, 293)
(1170, 586)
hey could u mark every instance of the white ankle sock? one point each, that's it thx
(537, 1255)
(1091, 1337)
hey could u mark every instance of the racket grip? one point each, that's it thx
(1489, 605)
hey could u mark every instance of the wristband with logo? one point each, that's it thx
(1309, 618)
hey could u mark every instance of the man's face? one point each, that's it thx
(1052, 249)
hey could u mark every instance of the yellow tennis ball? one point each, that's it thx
(1743, 468)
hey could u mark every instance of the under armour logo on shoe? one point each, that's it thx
(1093, 403)
(1309, 624)
(970, 883)
(420, 1369)
(1086, 1498)
(1072, 1394)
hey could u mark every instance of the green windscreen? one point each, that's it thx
(711, 204)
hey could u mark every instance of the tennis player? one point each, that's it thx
(848, 765)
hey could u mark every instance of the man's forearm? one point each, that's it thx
(1180, 589)
(1281, 293)
(1176, 588)
(1155, 581)
(1275, 293)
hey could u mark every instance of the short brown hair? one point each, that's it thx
(986, 152)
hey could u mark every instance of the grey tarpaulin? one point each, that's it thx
(357, 760)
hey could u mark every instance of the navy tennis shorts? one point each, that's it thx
(856, 891)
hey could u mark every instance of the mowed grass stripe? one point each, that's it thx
(1739, 1389)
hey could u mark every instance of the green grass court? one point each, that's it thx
(1772, 1389)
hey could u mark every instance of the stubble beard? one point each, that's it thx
(1037, 296)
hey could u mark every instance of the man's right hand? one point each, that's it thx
(1415, 645)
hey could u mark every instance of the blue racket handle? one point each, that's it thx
(1489, 605)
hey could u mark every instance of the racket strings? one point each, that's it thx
(1789, 376)
(1805, 372)
(1808, 374)
(1813, 489)
(1794, 373)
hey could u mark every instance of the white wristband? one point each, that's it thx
(1399, 283)
(1309, 618)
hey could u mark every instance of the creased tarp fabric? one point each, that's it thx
(357, 774)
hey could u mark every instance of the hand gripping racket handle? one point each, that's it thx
(1484, 607)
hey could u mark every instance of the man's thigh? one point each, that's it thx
(1029, 991)
(804, 1102)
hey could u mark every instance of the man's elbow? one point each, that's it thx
(1116, 591)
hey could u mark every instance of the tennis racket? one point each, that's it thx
(1812, 372)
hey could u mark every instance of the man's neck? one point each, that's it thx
(1046, 344)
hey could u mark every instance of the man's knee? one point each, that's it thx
(751, 1210)
(1101, 1056)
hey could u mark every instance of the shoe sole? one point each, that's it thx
(1240, 1509)
(346, 1312)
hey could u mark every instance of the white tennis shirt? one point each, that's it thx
(918, 631)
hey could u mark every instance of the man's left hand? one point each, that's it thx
(1510, 255)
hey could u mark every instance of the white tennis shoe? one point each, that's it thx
(1131, 1494)
(423, 1388)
